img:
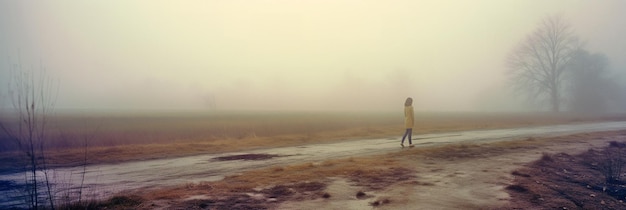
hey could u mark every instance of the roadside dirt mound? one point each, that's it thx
(591, 180)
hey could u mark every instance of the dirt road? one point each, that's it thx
(110, 179)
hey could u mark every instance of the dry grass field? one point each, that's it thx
(111, 138)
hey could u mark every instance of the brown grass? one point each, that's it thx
(292, 182)
(118, 138)
(372, 172)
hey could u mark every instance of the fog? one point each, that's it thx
(288, 55)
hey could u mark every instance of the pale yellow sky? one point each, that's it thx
(289, 55)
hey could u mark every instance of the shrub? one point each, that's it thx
(612, 164)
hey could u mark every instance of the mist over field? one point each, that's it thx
(299, 104)
(289, 55)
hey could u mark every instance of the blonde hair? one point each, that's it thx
(408, 102)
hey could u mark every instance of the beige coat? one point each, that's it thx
(408, 117)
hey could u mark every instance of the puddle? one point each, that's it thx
(246, 157)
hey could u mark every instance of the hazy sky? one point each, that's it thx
(291, 54)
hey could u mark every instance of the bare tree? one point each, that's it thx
(538, 64)
(32, 95)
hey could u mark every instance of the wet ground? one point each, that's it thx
(105, 180)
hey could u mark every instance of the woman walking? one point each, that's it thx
(408, 120)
